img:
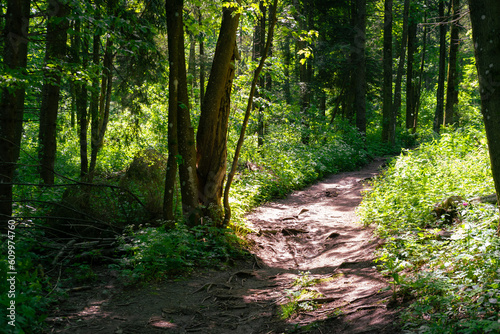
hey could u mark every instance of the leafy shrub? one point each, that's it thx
(34, 291)
(153, 253)
(452, 278)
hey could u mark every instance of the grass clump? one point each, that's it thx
(449, 269)
(301, 297)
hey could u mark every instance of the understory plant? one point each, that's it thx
(448, 267)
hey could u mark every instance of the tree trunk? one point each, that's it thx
(15, 50)
(360, 82)
(258, 49)
(286, 63)
(452, 88)
(185, 138)
(211, 138)
(418, 89)
(410, 88)
(401, 65)
(104, 106)
(438, 116)
(80, 92)
(234, 166)
(388, 120)
(173, 11)
(94, 102)
(191, 79)
(485, 18)
(202, 63)
(100, 123)
(55, 52)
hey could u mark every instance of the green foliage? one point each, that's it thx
(305, 280)
(153, 253)
(34, 291)
(300, 298)
(284, 163)
(457, 164)
(449, 269)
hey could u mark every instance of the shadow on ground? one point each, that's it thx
(309, 242)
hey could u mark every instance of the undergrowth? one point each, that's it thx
(448, 269)
(282, 165)
(152, 253)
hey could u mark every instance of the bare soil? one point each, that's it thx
(311, 236)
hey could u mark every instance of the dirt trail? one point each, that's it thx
(309, 237)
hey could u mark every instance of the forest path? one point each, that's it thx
(308, 242)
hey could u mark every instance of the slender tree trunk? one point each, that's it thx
(104, 106)
(485, 18)
(452, 88)
(286, 63)
(174, 29)
(202, 63)
(388, 120)
(192, 69)
(258, 49)
(100, 123)
(350, 95)
(272, 22)
(55, 52)
(94, 103)
(15, 50)
(304, 85)
(186, 141)
(80, 95)
(418, 90)
(401, 65)
(211, 138)
(410, 88)
(360, 74)
(438, 116)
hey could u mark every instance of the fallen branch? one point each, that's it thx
(61, 252)
(80, 288)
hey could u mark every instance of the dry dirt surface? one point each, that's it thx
(307, 242)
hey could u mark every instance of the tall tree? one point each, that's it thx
(401, 64)
(185, 139)
(202, 59)
(94, 99)
(439, 114)
(100, 123)
(388, 119)
(418, 88)
(256, 74)
(180, 131)
(79, 55)
(211, 138)
(174, 30)
(411, 110)
(286, 71)
(258, 49)
(452, 86)
(304, 67)
(360, 62)
(15, 51)
(485, 18)
(55, 52)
